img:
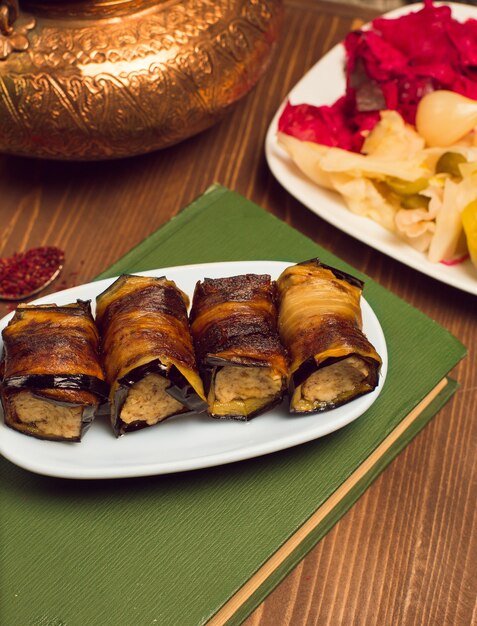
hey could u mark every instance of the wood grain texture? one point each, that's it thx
(338, 496)
(406, 552)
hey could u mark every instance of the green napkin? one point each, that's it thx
(173, 550)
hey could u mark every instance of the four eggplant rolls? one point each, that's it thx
(320, 324)
(148, 353)
(52, 381)
(240, 357)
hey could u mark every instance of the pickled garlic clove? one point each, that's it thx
(444, 117)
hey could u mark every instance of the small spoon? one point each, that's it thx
(25, 274)
(33, 292)
(443, 117)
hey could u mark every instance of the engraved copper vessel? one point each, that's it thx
(100, 79)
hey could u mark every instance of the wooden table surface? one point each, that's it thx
(406, 553)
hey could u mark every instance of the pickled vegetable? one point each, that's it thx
(406, 187)
(469, 221)
(448, 163)
(444, 117)
(416, 201)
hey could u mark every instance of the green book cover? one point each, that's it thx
(209, 545)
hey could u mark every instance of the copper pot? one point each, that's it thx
(100, 79)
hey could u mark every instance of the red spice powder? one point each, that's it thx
(26, 271)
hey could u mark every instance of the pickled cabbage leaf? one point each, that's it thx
(391, 65)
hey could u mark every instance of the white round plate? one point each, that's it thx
(182, 443)
(324, 83)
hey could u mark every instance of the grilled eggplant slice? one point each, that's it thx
(240, 357)
(320, 324)
(53, 381)
(148, 354)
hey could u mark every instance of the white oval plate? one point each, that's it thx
(182, 443)
(323, 84)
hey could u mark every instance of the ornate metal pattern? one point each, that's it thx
(102, 88)
(13, 31)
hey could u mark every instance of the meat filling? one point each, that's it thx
(243, 383)
(148, 401)
(333, 383)
(46, 418)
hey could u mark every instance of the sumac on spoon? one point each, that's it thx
(27, 273)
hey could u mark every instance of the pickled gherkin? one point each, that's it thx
(406, 187)
(448, 163)
(416, 201)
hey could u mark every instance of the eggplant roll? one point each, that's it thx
(148, 354)
(53, 381)
(240, 357)
(320, 324)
